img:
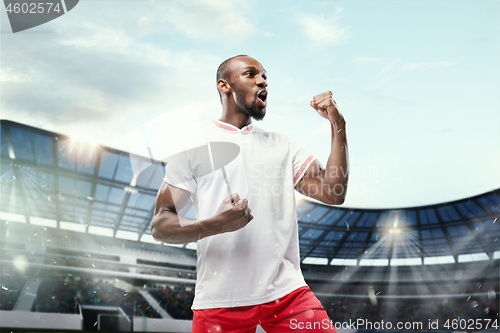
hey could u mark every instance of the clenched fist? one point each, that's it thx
(326, 107)
(233, 214)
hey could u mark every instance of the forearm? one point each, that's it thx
(329, 185)
(336, 174)
(332, 181)
(170, 228)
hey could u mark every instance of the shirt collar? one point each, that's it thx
(230, 128)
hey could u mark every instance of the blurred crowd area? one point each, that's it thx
(413, 310)
(176, 301)
(85, 263)
(63, 296)
(168, 273)
(11, 285)
(92, 263)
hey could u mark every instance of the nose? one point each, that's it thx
(261, 82)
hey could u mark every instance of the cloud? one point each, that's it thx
(324, 30)
(89, 74)
(365, 60)
(268, 34)
(389, 72)
(144, 20)
(203, 20)
(378, 97)
(427, 65)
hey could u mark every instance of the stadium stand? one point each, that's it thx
(75, 239)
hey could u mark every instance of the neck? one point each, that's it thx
(235, 117)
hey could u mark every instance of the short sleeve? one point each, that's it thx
(179, 173)
(301, 160)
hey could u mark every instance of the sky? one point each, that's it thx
(418, 82)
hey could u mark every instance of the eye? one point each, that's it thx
(249, 73)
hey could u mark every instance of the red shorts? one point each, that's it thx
(298, 311)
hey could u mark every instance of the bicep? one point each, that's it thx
(170, 198)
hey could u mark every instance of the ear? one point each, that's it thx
(223, 86)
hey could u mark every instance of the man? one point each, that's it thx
(248, 253)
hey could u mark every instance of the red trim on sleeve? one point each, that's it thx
(302, 169)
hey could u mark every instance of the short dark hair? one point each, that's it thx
(222, 72)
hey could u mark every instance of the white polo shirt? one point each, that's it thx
(260, 262)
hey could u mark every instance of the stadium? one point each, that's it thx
(77, 251)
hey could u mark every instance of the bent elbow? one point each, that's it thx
(339, 201)
(335, 198)
(155, 230)
(335, 201)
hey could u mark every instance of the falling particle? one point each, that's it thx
(487, 310)
(4, 288)
(475, 304)
(93, 265)
(14, 177)
(491, 294)
(373, 297)
(95, 323)
(44, 229)
(347, 225)
(468, 298)
(495, 219)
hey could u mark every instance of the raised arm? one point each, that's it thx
(169, 227)
(328, 185)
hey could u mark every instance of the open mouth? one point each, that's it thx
(262, 95)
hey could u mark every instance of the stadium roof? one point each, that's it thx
(53, 180)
